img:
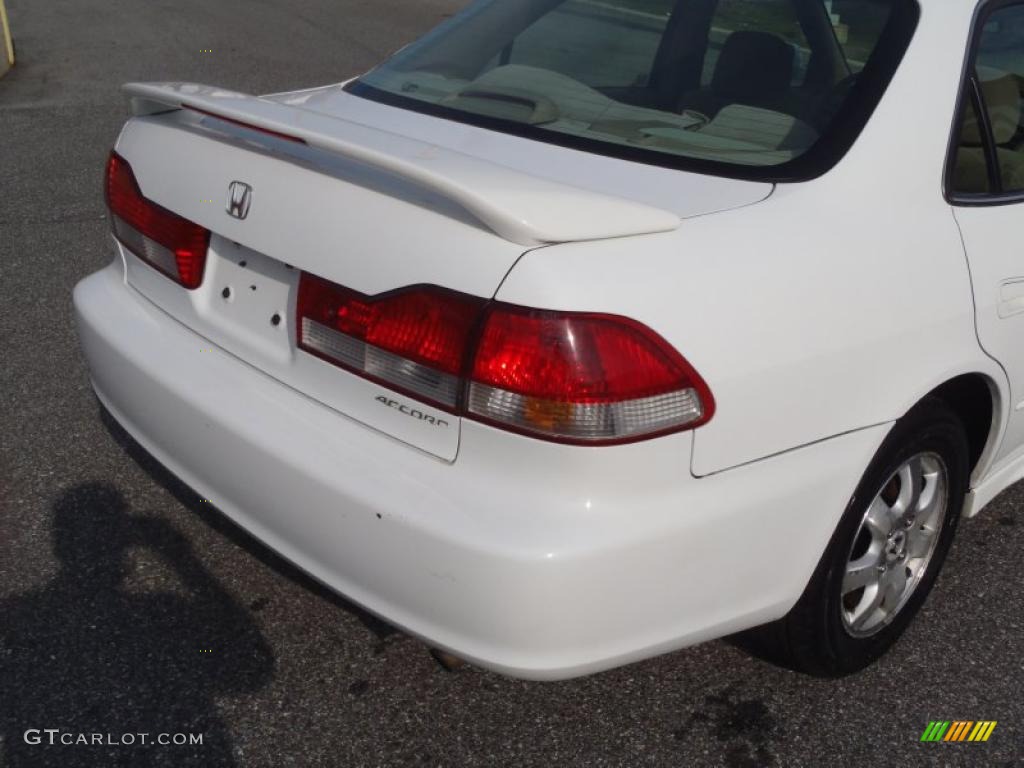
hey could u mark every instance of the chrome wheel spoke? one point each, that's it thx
(932, 493)
(894, 584)
(920, 541)
(880, 519)
(866, 608)
(861, 573)
(911, 477)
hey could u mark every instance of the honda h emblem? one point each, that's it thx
(239, 199)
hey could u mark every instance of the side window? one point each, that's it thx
(997, 139)
(603, 44)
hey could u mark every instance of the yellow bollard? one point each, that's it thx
(7, 57)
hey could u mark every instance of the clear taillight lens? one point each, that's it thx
(570, 377)
(173, 245)
(581, 377)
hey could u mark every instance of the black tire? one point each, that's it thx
(813, 638)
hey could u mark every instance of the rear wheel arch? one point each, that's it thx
(977, 401)
(812, 637)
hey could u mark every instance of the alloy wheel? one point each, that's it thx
(894, 545)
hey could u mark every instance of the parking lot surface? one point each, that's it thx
(127, 605)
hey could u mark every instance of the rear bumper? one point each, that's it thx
(532, 559)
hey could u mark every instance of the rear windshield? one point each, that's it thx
(773, 89)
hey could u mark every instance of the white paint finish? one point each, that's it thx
(523, 209)
(1011, 292)
(800, 335)
(992, 236)
(532, 559)
(341, 221)
(242, 328)
(817, 316)
(243, 321)
(835, 304)
(1009, 471)
(346, 223)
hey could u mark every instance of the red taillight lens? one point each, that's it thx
(582, 377)
(174, 245)
(565, 376)
(249, 126)
(414, 339)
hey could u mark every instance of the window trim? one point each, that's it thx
(970, 89)
(988, 136)
(848, 124)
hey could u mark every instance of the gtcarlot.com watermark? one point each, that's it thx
(58, 736)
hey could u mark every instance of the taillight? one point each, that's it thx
(571, 377)
(249, 126)
(414, 339)
(582, 377)
(174, 245)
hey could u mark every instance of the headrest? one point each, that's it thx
(751, 64)
(1001, 92)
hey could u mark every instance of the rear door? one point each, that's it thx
(986, 183)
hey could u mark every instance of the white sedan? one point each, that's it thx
(578, 332)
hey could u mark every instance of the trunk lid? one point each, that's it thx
(346, 193)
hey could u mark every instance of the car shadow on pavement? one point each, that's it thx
(89, 662)
(188, 498)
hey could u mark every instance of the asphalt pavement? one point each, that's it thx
(127, 605)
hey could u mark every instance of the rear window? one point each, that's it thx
(774, 89)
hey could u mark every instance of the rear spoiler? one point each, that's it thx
(518, 207)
